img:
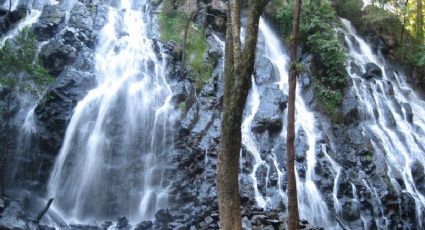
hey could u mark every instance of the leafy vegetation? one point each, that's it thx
(349, 9)
(19, 67)
(319, 37)
(330, 99)
(395, 22)
(172, 25)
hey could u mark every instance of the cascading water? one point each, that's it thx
(35, 7)
(24, 120)
(311, 204)
(386, 103)
(112, 158)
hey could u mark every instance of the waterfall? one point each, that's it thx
(112, 161)
(312, 206)
(24, 120)
(392, 116)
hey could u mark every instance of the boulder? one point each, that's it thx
(122, 223)
(372, 71)
(270, 112)
(49, 23)
(355, 69)
(56, 55)
(264, 72)
(145, 225)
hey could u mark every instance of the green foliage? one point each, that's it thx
(318, 27)
(318, 20)
(349, 9)
(19, 67)
(416, 55)
(330, 100)
(183, 107)
(172, 25)
(380, 21)
(282, 15)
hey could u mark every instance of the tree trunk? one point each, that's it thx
(419, 21)
(239, 65)
(186, 32)
(404, 11)
(42, 212)
(293, 218)
(6, 142)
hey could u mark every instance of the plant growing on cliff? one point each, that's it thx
(177, 25)
(20, 72)
(318, 35)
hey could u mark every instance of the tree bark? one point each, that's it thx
(293, 217)
(239, 65)
(419, 21)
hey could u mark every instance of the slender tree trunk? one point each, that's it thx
(10, 5)
(419, 21)
(293, 218)
(42, 212)
(402, 28)
(6, 143)
(186, 32)
(239, 65)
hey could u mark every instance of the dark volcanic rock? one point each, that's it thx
(49, 22)
(418, 173)
(11, 19)
(145, 225)
(349, 106)
(56, 55)
(122, 223)
(264, 72)
(270, 112)
(372, 71)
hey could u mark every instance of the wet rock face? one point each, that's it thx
(8, 21)
(264, 72)
(418, 173)
(270, 112)
(49, 23)
(372, 71)
(63, 49)
(56, 111)
(217, 15)
(349, 106)
(69, 57)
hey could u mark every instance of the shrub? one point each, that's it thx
(171, 24)
(318, 35)
(18, 58)
(349, 9)
(330, 100)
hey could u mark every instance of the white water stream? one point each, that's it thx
(385, 104)
(112, 159)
